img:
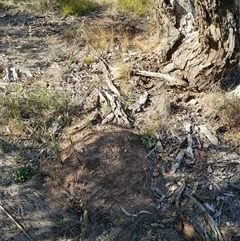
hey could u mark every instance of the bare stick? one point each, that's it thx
(84, 225)
(17, 224)
(170, 79)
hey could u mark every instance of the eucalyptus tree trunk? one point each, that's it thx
(200, 39)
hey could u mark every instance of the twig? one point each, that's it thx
(84, 225)
(17, 224)
(134, 215)
(151, 152)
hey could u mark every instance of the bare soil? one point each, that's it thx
(109, 186)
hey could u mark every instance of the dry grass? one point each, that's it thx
(228, 109)
(29, 113)
(137, 7)
(99, 38)
(219, 108)
(121, 70)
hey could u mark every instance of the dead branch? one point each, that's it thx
(107, 78)
(207, 217)
(178, 193)
(172, 81)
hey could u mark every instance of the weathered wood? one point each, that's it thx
(167, 77)
(200, 38)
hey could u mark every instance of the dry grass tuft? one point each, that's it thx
(99, 38)
(229, 111)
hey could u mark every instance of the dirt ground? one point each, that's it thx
(109, 186)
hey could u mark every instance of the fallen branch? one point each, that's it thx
(151, 152)
(176, 196)
(170, 79)
(141, 102)
(207, 216)
(117, 115)
(105, 68)
(16, 222)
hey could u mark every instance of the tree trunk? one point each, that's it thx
(200, 38)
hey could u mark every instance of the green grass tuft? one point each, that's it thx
(148, 140)
(77, 7)
(30, 114)
(138, 7)
(22, 174)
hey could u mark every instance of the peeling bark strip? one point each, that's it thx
(200, 38)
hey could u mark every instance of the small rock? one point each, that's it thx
(193, 101)
(79, 150)
(188, 127)
(155, 173)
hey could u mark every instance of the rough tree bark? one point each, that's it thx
(200, 38)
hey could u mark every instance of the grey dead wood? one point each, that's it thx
(207, 216)
(141, 102)
(170, 80)
(117, 115)
(204, 130)
(176, 196)
(235, 94)
(107, 77)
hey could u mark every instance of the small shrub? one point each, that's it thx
(139, 7)
(125, 106)
(89, 59)
(148, 141)
(45, 5)
(119, 219)
(77, 7)
(22, 174)
(88, 124)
